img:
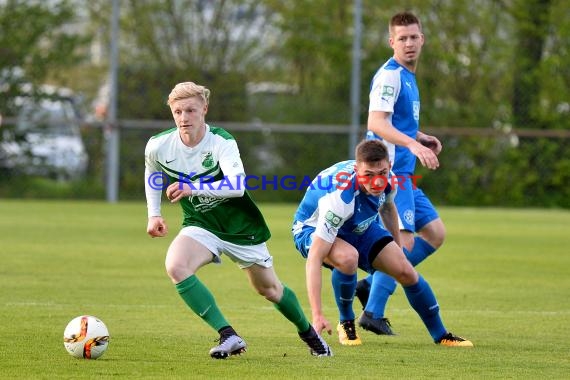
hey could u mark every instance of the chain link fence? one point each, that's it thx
(479, 167)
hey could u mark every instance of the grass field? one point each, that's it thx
(502, 280)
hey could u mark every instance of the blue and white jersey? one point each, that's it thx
(394, 90)
(334, 204)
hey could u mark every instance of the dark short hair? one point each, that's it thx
(404, 19)
(371, 151)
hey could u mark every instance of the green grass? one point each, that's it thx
(502, 280)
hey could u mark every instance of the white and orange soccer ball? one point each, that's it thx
(86, 337)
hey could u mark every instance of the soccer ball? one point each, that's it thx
(86, 337)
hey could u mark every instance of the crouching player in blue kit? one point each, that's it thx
(337, 225)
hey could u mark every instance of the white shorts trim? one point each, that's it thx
(243, 255)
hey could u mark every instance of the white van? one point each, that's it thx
(45, 139)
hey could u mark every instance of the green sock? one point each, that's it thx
(289, 306)
(201, 301)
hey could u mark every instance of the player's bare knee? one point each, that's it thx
(177, 273)
(436, 241)
(437, 244)
(346, 262)
(348, 266)
(406, 275)
(271, 293)
(173, 275)
(403, 272)
(434, 233)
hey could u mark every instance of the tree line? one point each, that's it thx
(486, 63)
(502, 64)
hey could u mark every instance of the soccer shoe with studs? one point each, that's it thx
(347, 335)
(379, 326)
(450, 340)
(362, 292)
(317, 345)
(229, 345)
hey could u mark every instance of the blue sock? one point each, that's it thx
(343, 287)
(423, 301)
(382, 288)
(422, 249)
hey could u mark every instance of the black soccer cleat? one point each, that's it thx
(380, 326)
(317, 345)
(362, 292)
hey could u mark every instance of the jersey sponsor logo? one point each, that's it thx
(207, 160)
(363, 226)
(169, 161)
(409, 84)
(387, 91)
(333, 219)
(207, 200)
(205, 204)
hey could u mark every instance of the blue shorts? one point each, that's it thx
(414, 207)
(374, 236)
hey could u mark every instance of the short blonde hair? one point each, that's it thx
(187, 90)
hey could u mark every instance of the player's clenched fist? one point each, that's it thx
(156, 227)
(177, 190)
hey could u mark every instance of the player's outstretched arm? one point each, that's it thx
(318, 251)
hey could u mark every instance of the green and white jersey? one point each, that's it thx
(216, 158)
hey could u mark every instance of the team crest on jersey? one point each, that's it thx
(409, 216)
(207, 160)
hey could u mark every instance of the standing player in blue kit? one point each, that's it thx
(394, 113)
